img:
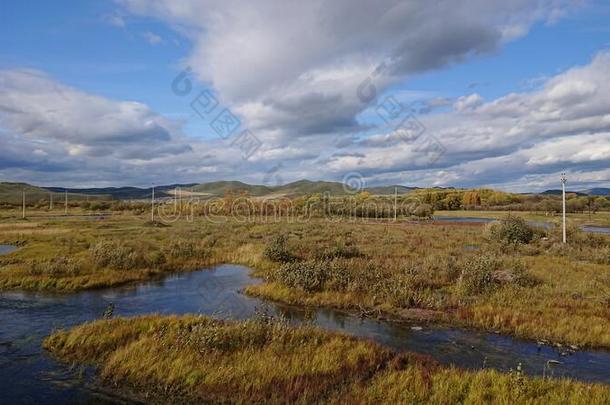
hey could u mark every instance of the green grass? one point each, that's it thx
(197, 359)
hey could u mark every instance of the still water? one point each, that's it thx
(28, 374)
(538, 224)
(6, 249)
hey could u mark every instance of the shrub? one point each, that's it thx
(423, 211)
(440, 269)
(338, 276)
(309, 276)
(486, 272)
(276, 250)
(477, 275)
(184, 249)
(157, 259)
(511, 229)
(115, 255)
(338, 251)
(58, 266)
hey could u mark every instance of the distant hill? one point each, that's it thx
(12, 193)
(304, 187)
(597, 191)
(593, 191)
(123, 193)
(218, 188)
(290, 190)
(388, 190)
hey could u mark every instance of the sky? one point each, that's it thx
(464, 93)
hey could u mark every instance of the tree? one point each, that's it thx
(471, 198)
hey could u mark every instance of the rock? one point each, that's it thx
(416, 328)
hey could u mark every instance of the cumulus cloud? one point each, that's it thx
(282, 64)
(39, 108)
(564, 125)
(47, 126)
(469, 102)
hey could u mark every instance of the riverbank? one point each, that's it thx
(193, 358)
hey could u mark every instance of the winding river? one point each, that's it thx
(29, 374)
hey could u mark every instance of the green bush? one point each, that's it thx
(184, 249)
(338, 251)
(56, 267)
(315, 275)
(157, 259)
(338, 276)
(511, 229)
(276, 250)
(115, 255)
(423, 211)
(486, 272)
(309, 276)
(477, 275)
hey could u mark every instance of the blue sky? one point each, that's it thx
(290, 74)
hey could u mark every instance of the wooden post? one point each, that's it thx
(395, 198)
(152, 204)
(563, 193)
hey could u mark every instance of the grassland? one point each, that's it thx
(450, 273)
(197, 359)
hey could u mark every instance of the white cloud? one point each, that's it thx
(280, 64)
(292, 72)
(153, 38)
(469, 102)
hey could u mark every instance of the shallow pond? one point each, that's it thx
(6, 249)
(28, 374)
(538, 224)
(596, 229)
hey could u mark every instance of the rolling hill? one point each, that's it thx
(218, 188)
(600, 191)
(12, 193)
(290, 190)
(123, 193)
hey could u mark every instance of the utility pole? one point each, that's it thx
(395, 199)
(23, 200)
(152, 204)
(563, 193)
(66, 202)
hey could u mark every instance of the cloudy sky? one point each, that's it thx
(500, 93)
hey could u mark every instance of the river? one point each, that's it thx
(29, 374)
